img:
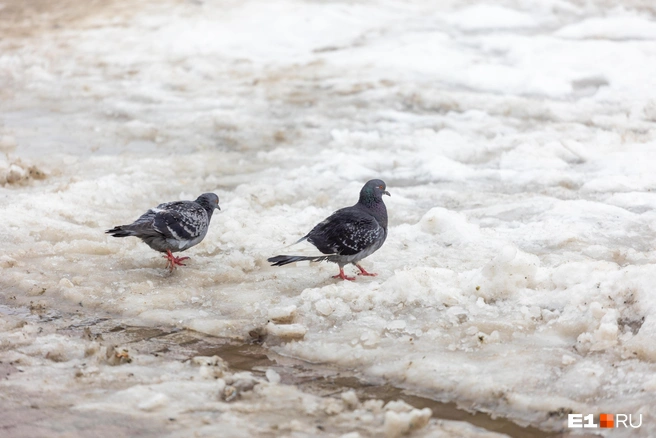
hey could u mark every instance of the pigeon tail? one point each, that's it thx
(281, 260)
(120, 232)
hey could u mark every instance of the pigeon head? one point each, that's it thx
(209, 201)
(373, 192)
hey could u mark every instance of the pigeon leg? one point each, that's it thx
(343, 276)
(172, 261)
(363, 272)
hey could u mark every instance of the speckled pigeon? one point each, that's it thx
(172, 226)
(350, 234)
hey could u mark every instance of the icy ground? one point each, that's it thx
(518, 140)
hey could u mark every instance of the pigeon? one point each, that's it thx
(349, 234)
(172, 226)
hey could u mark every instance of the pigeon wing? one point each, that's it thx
(180, 220)
(346, 232)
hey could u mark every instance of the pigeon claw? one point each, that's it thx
(172, 261)
(343, 276)
(365, 273)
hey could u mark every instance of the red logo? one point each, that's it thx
(606, 421)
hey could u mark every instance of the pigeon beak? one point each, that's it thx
(217, 207)
(386, 193)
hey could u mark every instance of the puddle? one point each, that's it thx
(314, 379)
(325, 381)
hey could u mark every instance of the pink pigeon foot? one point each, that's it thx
(363, 272)
(172, 261)
(343, 276)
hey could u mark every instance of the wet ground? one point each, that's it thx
(516, 278)
(30, 415)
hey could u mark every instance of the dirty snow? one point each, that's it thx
(518, 142)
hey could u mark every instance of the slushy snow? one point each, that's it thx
(518, 143)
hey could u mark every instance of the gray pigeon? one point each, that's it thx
(172, 226)
(350, 234)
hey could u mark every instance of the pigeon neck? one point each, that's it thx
(376, 206)
(369, 201)
(206, 205)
